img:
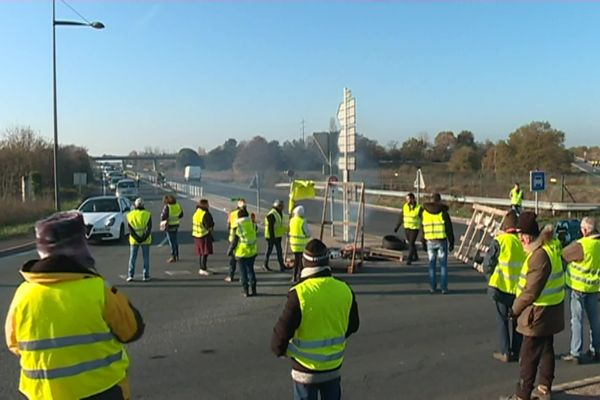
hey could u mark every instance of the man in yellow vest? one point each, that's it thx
(231, 221)
(274, 231)
(502, 265)
(538, 307)
(171, 218)
(244, 249)
(583, 278)
(409, 217)
(298, 237)
(439, 234)
(516, 198)
(66, 324)
(140, 235)
(319, 316)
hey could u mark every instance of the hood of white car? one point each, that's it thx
(94, 218)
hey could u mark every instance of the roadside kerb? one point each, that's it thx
(563, 387)
(20, 248)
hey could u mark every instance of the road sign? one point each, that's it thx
(347, 117)
(347, 144)
(347, 162)
(419, 181)
(79, 178)
(537, 181)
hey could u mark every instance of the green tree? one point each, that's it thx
(221, 158)
(466, 138)
(188, 156)
(414, 149)
(443, 145)
(257, 155)
(464, 159)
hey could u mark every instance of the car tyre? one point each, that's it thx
(392, 242)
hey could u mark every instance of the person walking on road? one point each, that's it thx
(274, 231)
(320, 314)
(231, 221)
(170, 218)
(298, 238)
(140, 236)
(516, 198)
(410, 218)
(439, 234)
(539, 307)
(583, 280)
(244, 249)
(66, 324)
(502, 265)
(202, 228)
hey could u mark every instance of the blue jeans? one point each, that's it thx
(437, 250)
(247, 275)
(173, 243)
(580, 303)
(330, 390)
(133, 253)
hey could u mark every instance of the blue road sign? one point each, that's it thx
(537, 181)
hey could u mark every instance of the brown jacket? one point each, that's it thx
(538, 320)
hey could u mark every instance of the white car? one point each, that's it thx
(112, 182)
(105, 217)
(127, 188)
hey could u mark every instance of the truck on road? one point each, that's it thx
(192, 173)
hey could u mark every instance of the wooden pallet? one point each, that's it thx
(394, 255)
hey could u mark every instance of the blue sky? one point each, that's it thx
(192, 73)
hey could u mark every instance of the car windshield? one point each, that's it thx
(115, 179)
(126, 184)
(100, 205)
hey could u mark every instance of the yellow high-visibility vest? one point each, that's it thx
(320, 340)
(433, 226)
(246, 233)
(510, 262)
(67, 350)
(139, 219)
(278, 229)
(410, 217)
(174, 212)
(516, 198)
(298, 238)
(198, 228)
(584, 276)
(554, 290)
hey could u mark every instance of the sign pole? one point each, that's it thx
(257, 195)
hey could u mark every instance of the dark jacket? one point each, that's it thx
(538, 320)
(290, 320)
(209, 224)
(164, 216)
(490, 262)
(436, 208)
(271, 223)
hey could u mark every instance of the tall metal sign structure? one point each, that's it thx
(347, 144)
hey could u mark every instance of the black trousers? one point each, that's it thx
(411, 238)
(537, 353)
(275, 242)
(297, 265)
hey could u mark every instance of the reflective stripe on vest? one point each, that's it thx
(138, 219)
(554, 289)
(433, 226)
(410, 217)
(510, 261)
(278, 229)
(298, 239)
(67, 350)
(246, 233)
(174, 213)
(516, 198)
(198, 228)
(319, 342)
(584, 276)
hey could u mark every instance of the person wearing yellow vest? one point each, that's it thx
(140, 235)
(538, 307)
(299, 235)
(274, 231)
(583, 278)
(244, 249)
(66, 324)
(171, 217)
(409, 217)
(439, 234)
(232, 218)
(320, 314)
(516, 198)
(502, 265)
(202, 228)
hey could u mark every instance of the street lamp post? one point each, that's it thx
(55, 23)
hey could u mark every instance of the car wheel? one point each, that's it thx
(392, 242)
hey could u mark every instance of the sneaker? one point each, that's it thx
(266, 267)
(129, 279)
(594, 355)
(171, 260)
(502, 357)
(541, 392)
(432, 291)
(203, 272)
(571, 359)
(228, 279)
(147, 279)
(445, 291)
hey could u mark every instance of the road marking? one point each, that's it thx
(18, 254)
(184, 272)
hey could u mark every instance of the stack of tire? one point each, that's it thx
(393, 242)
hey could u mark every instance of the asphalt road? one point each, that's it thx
(205, 341)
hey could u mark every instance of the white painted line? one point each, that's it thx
(184, 272)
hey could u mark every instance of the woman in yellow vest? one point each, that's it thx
(298, 237)
(171, 216)
(502, 266)
(66, 324)
(202, 228)
(411, 219)
(140, 235)
(244, 249)
(539, 307)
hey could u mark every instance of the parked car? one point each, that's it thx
(126, 188)
(105, 217)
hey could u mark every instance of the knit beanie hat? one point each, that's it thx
(527, 224)
(315, 254)
(510, 221)
(63, 234)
